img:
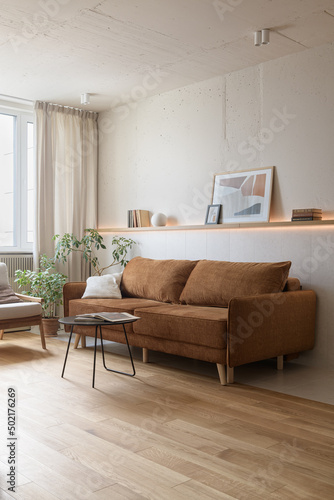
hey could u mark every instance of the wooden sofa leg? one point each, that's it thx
(230, 375)
(41, 332)
(1, 334)
(222, 373)
(76, 340)
(279, 362)
(145, 355)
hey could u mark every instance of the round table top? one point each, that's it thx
(72, 320)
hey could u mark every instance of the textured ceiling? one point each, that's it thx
(121, 50)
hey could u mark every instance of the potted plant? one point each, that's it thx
(91, 242)
(47, 284)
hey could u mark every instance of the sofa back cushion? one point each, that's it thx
(215, 283)
(161, 280)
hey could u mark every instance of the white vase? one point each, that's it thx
(158, 219)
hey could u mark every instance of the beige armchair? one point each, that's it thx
(16, 310)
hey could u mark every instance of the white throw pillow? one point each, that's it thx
(103, 287)
(3, 274)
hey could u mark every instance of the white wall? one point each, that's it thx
(164, 150)
(160, 154)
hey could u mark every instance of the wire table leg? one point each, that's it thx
(94, 365)
(68, 347)
(103, 356)
(127, 343)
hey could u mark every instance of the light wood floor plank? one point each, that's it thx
(46, 478)
(199, 491)
(117, 492)
(165, 434)
(32, 491)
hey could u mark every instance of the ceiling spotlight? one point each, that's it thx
(85, 99)
(265, 37)
(261, 37)
(257, 38)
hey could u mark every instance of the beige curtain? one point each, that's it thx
(66, 184)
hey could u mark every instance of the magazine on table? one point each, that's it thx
(111, 317)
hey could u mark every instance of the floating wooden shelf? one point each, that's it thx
(218, 226)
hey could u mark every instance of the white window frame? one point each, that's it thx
(23, 117)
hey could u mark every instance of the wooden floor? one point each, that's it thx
(164, 435)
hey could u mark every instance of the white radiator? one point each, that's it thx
(14, 262)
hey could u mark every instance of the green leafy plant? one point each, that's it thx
(45, 283)
(91, 242)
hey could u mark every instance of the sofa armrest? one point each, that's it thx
(72, 290)
(269, 325)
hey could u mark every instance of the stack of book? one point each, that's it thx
(306, 214)
(138, 218)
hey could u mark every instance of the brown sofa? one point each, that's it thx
(228, 313)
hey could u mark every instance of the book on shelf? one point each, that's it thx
(302, 210)
(138, 218)
(306, 218)
(144, 218)
(306, 214)
(111, 317)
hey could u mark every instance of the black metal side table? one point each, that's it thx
(72, 322)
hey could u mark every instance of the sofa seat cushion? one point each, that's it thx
(161, 280)
(205, 326)
(215, 283)
(82, 306)
(20, 310)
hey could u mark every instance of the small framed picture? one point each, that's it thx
(212, 214)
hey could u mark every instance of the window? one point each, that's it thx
(16, 180)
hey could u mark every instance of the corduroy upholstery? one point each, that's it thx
(231, 313)
(129, 305)
(215, 283)
(161, 280)
(262, 327)
(180, 323)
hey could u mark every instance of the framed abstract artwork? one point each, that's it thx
(245, 195)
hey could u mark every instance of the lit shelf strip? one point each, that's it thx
(218, 226)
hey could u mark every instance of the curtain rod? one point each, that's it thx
(29, 102)
(16, 99)
(68, 107)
